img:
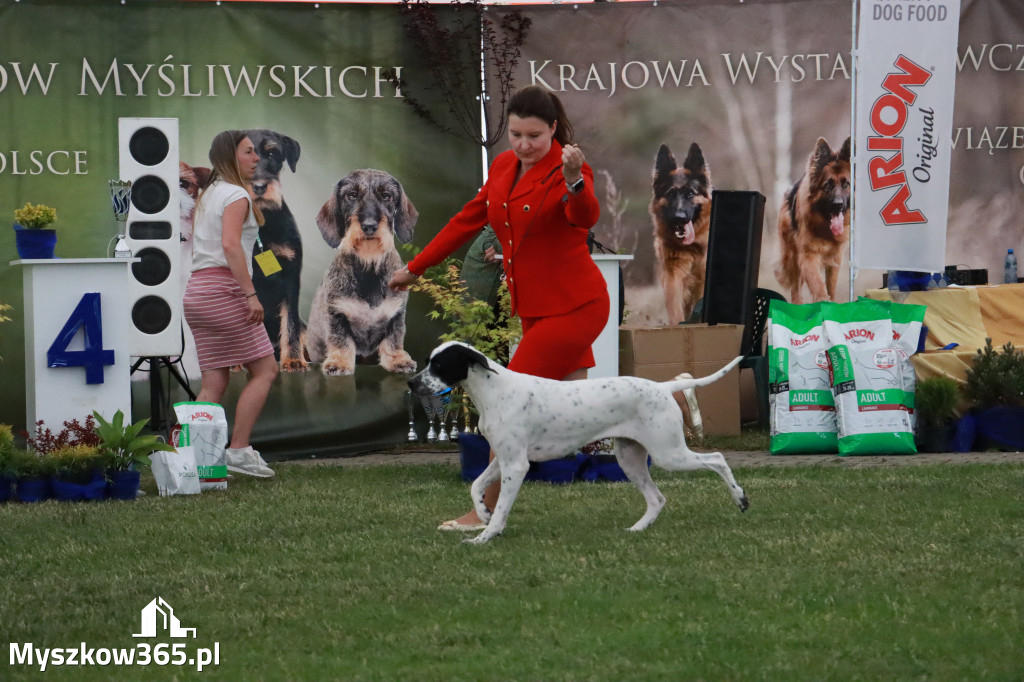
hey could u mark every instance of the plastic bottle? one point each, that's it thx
(1010, 268)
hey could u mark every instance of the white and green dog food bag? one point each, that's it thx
(803, 417)
(907, 320)
(866, 375)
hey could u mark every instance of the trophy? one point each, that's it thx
(411, 436)
(434, 405)
(121, 199)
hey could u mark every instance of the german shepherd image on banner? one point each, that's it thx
(814, 225)
(681, 210)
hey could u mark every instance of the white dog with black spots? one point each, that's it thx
(527, 418)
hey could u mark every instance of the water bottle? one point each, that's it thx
(1010, 268)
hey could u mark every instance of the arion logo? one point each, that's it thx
(158, 615)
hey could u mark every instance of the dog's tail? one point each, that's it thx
(682, 383)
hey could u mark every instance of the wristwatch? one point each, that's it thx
(576, 187)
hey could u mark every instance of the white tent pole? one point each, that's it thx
(855, 151)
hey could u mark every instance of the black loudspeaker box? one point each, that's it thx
(734, 257)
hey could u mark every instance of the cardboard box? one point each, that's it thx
(662, 353)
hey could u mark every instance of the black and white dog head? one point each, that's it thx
(448, 366)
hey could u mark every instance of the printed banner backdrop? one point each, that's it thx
(755, 85)
(311, 75)
(906, 77)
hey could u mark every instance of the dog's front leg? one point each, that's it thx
(513, 471)
(340, 357)
(485, 479)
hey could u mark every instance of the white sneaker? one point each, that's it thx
(247, 461)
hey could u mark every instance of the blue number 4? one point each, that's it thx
(87, 317)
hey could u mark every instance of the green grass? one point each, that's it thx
(331, 573)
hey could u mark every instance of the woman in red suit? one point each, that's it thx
(539, 198)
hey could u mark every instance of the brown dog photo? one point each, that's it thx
(355, 317)
(681, 210)
(814, 225)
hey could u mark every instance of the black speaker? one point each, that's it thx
(148, 156)
(734, 258)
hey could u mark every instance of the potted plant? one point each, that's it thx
(6, 448)
(123, 448)
(76, 473)
(995, 388)
(935, 400)
(32, 236)
(31, 472)
(39, 463)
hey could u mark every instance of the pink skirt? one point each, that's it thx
(217, 312)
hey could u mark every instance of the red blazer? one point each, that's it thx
(543, 234)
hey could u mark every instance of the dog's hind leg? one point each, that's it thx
(632, 457)
(513, 471)
(689, 460)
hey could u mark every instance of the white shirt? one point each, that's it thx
(208, 227)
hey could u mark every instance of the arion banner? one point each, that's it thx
(906, 78)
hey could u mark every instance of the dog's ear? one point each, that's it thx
(327, 220)
(820, 158)
(405, 218)
(291, 151)
(695, 162)
(452, 364)
(844, 153)
(202, 175)
(664, 166)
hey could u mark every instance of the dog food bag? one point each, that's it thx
(867, 380)
(803, 417)
(907, 320)
(208, 429)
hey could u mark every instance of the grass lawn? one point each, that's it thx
(337, 573)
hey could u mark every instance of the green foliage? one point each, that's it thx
(996, 378)
(123, 445)
(74, 462)
(3, 318)
(24, 463)
(935, 398)
(469, 319)
(35, 217)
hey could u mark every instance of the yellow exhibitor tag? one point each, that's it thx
(268, 263)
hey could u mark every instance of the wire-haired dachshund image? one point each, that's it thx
(355, 317)
(278, 293)
(814, 225)
(681, 210)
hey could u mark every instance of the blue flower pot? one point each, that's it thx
(123, 485)
(559, 471)
(474, 455)
(6, 487)
(67, 491)
(33, 244)
(32, 489)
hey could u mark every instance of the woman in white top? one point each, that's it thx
(220, 303)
